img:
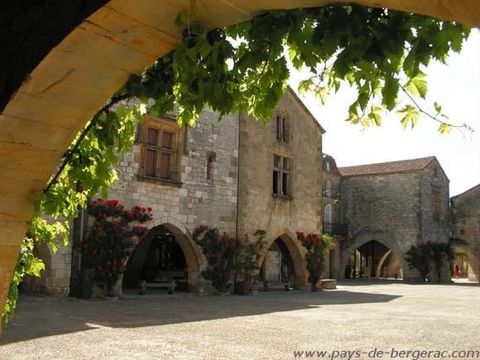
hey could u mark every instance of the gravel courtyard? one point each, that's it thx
(357, 316)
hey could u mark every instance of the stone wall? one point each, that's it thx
(397, 210)
(258, 207)
(466, 226)
(433, 228)
(335, 227)
(385, 208)
(197, 200)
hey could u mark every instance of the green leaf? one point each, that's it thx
(375, 115)
(390, 92)
(304, 86)
(417, 86)
(410, 116)
(444, 128)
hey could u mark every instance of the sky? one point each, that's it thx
(456, 86)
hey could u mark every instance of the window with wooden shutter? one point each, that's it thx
(162, 142)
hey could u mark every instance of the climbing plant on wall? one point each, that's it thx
(244, 68)
(111, 240)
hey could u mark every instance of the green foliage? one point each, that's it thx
(420, 258)
(315, 256)
(244, 67)
(27, 264)
(431, 256)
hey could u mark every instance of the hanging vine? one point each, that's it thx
(245, 68)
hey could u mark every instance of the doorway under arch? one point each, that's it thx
(282, 265)
(164, 255)
(373, 260)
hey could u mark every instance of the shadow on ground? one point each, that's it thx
(383, 282)
(38, 317)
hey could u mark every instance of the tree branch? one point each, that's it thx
(67, 157)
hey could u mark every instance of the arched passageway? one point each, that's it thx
(465, 265)
(164, 256)
(93, 61)
(372, 260)
(282, 265)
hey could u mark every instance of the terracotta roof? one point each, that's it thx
(387, 167)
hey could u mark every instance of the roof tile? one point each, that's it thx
(387, 167)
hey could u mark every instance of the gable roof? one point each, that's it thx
(467, 192)
(305, 109)
(387, 167)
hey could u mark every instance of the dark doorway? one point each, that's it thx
(158, 259)
(373, 260)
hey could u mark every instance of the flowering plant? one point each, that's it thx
(110, 240)
(315, 256)
(220, 251)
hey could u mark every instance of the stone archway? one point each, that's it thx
(295, 251)
(382, 237)
(380, 264)
(473, 266)
(191, 256)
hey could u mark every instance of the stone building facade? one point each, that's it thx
(397, 204)
(197, 185)
(240, 175)
(466, 226)
(280, 182)
(333, 220)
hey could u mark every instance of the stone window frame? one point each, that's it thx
(282, 133)
(281, 174)
(163, 124)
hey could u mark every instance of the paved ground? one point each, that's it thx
(265, 326)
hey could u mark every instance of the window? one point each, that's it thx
(282, 128)
(210, 162)
(161, 144)
(327, 215)
(328, 188)
(281, 175)
(436, 203)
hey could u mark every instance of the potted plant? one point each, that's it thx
(316, 248)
